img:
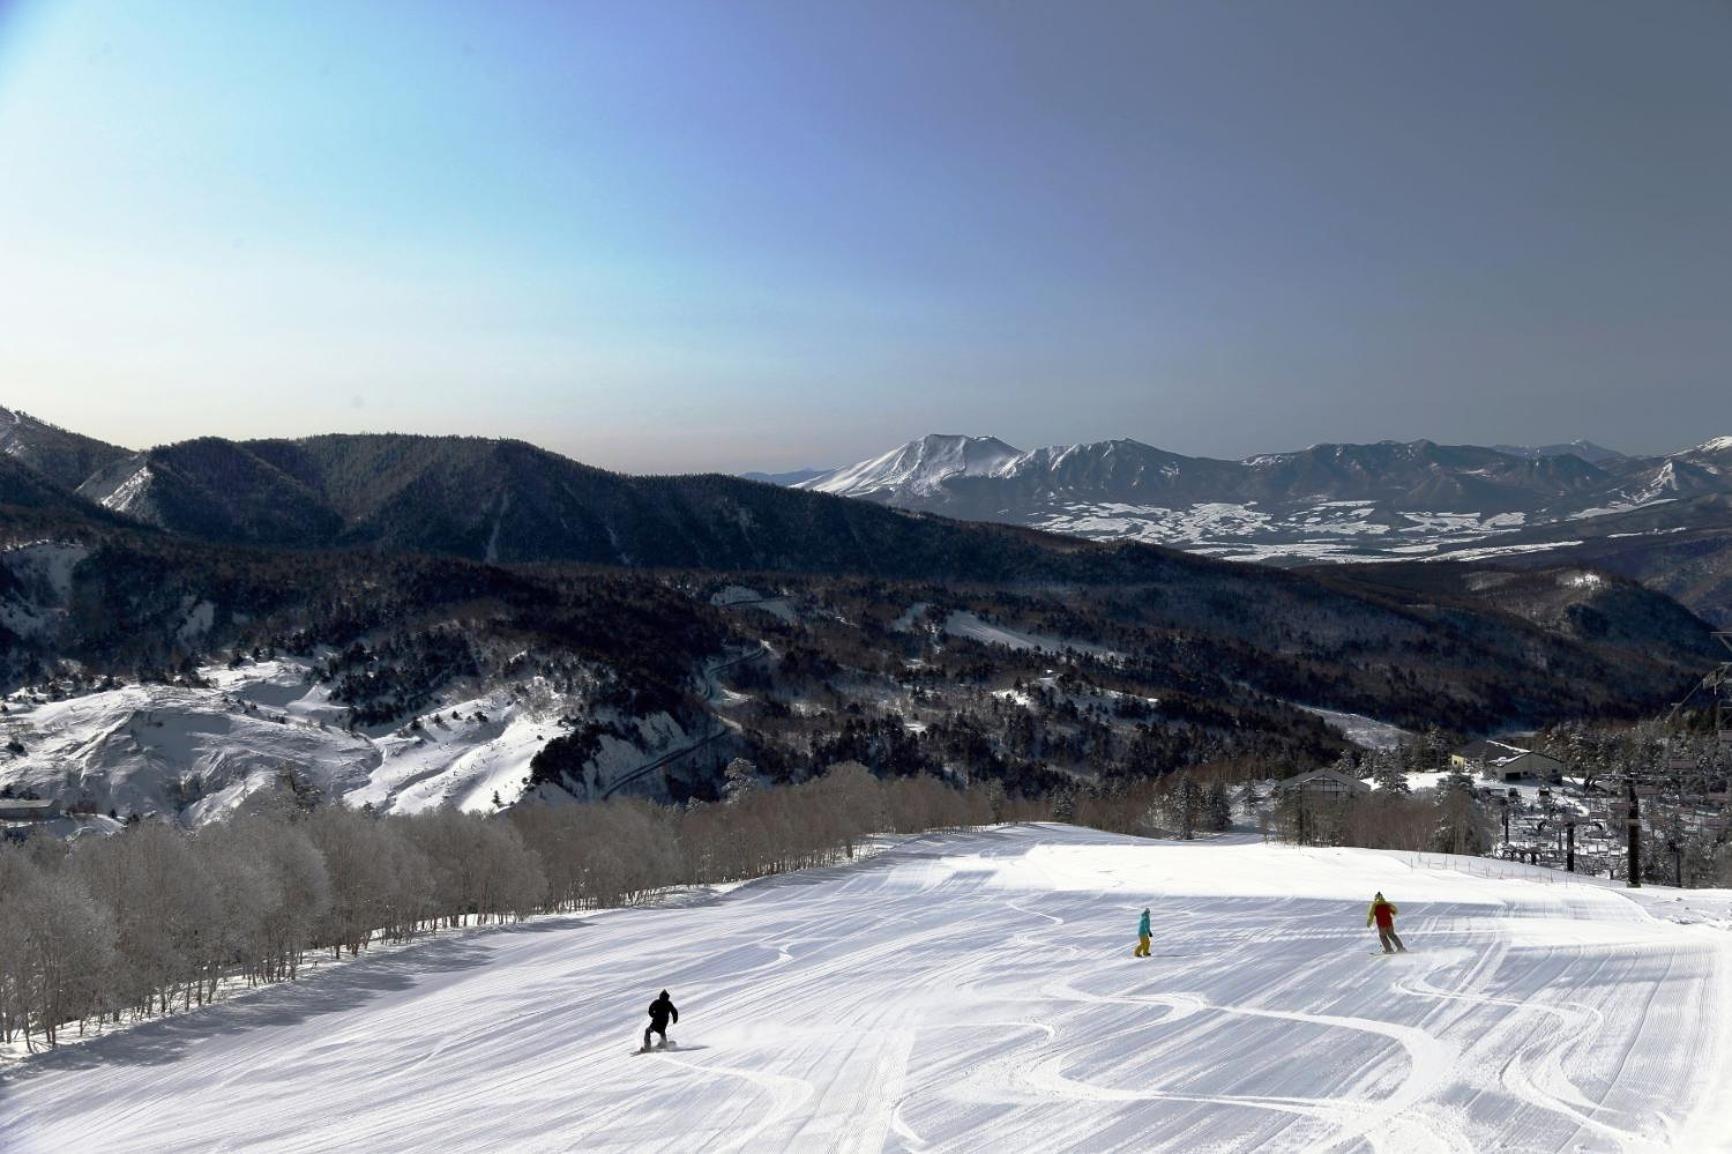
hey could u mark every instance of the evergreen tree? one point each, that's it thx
(1219, 807)
(1188, 804)
(740, 779)
(1388, 774)
(1462, 825)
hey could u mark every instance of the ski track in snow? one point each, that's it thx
(965, 992)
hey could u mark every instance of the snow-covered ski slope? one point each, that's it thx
(971, 992)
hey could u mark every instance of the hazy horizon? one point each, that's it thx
(763, 236)
(823, 465)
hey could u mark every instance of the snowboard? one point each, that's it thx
(670, 1044)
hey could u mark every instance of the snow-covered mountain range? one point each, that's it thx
(1327, 502)
(402, 619)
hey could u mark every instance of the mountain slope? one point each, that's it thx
(64, 459)
(971, 991)
(1586, 450)
(653, 679)
(22, 487)
(903, 640)
(507, 501)
(917, 468)
(792, 477)
(971, 475)
(215, 490)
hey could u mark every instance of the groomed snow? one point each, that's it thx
(966, 993)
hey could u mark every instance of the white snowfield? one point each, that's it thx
(127, 747)
(971, 993)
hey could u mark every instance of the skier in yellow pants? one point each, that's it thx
(1142, 950)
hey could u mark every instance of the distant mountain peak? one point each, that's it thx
(918, 467)
(1587, 450)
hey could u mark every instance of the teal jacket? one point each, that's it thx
(1143, 925)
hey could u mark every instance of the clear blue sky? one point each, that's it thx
(661, 236)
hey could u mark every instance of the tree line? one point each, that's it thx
(158, 918)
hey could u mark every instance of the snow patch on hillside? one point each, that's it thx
(129, 493)
(962, 623)
(904, 623)
(43, 571)
(1489, 551)
(1326, 530)
(1155, 523)
(156, 748)
(1639, 501)
(1366, 732)
(198, 621)
(135, 748)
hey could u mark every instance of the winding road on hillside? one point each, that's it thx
(967, 992)
(707, 691)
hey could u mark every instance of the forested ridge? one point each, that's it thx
(1194, 665)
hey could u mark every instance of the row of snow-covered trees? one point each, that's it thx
(157, 918)
(1178, 805)
(1449, 819)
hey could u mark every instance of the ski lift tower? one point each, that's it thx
(1693, 782)
(1722, 707)
(1716, 765)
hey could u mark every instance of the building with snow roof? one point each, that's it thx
(1501, 761)
(1324, 783)
(28, 809)
(19, 815)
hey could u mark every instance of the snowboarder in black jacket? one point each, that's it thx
(660, 1011)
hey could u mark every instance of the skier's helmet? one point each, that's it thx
(1378, 896)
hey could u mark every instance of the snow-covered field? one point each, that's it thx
(972, 992)
(1324, 531)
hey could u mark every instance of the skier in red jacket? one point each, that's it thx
(1383, 913)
